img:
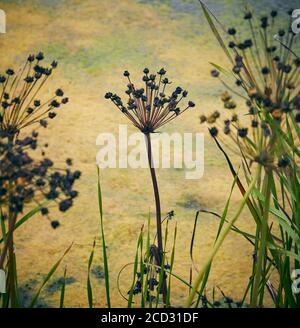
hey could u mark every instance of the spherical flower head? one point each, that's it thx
(55, 224)
(31, 58)
(232, 31)
(59, 93)
(264, 22)
(54, 64)
(242, 132)
(65, 205)
(274, 13)
(283, 163)
(215, 73)
(213, 132)
(191, 104)
(248, 15)
(162, 71)
(203, 119)
(51, 115)
(10, 72)
(40, 56)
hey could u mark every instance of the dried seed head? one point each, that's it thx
(149, 108)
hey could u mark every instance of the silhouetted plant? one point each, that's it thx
(20, 105)
(149, 108)
(266, 72)
(24, 180)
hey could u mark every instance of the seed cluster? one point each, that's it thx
(149, 108)
(266, 75)
(20, 103)
(23, 179)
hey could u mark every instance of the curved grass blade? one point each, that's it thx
(26, 217)
(220, 241)
(208, 15)
(239, 183)
(89, 285)
(49, 275)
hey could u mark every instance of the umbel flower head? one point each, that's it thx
(148, 107)
(20, 105)
(266, 75)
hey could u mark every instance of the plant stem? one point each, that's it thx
(224, 232)
(259, 272)
(158, 208)
(156, 195)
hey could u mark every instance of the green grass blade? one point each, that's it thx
(135, 266)
(63, 289)
(26, 217)
(49, 275)
(221, 69)
(105, 258)
(171, 267)
(220, 240)
(208, 15)
(89, 285)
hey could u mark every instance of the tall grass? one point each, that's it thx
(104, 252)
(267, 78)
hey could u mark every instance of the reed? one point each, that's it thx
(265, 74)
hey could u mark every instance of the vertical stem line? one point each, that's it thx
(156, 195)
(158, 209)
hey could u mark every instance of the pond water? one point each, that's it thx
(94, 42)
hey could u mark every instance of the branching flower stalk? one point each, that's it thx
(149, 108)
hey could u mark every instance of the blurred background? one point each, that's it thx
(94, 41)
